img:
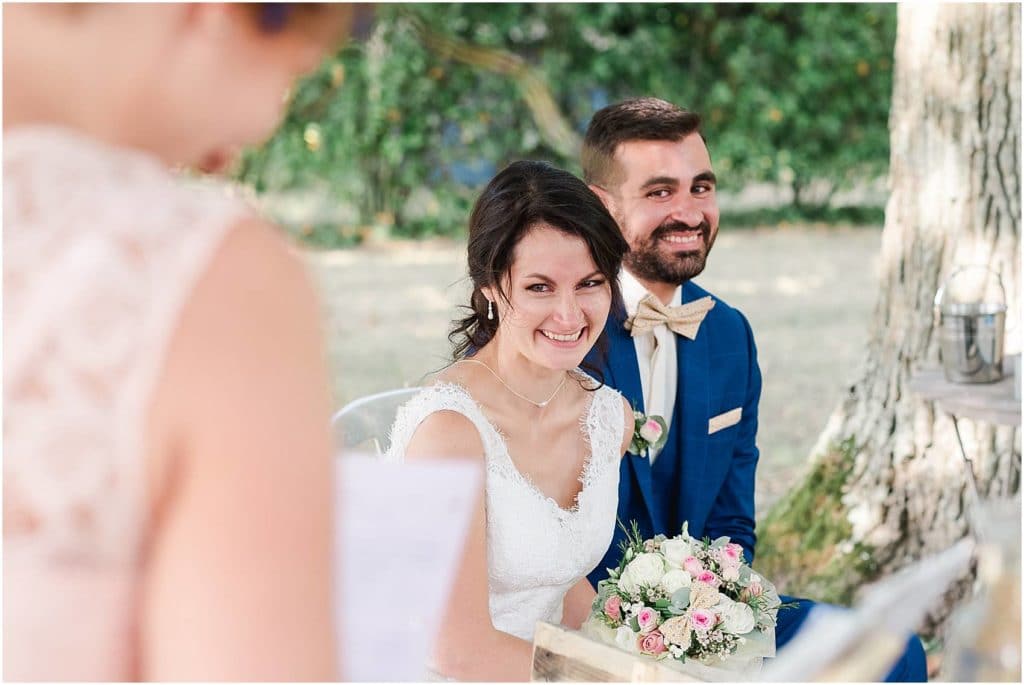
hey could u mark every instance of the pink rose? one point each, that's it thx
(651, 431)
(748, 593)
(651, 643)
(648, 619)
(731, 555)
(702, 620)
(755, 590)
(613, 608)
(708, 578)
(692, 566)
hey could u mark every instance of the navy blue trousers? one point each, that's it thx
(911, 667)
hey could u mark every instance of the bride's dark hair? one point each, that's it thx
(522, 196)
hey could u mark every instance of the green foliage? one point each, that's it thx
(391, 136)
(802, 543)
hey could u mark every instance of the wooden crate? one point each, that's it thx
(562, 655)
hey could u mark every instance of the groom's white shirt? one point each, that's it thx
(655, 354)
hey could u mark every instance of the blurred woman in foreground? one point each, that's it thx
(167, 464)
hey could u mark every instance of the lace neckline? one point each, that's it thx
(586, 421)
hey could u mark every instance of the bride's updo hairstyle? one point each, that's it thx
(526, 194)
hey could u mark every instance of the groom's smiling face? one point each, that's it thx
(666, 207)
(558, 300)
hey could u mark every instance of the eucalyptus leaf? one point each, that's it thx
(681, 597)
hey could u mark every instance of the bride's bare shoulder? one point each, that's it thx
(447, 432)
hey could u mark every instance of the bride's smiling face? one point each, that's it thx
(558, 300)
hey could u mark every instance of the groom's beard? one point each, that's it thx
(648, 262)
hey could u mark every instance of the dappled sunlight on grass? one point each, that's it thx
(399, 254)
(792, 285)
(428, 298)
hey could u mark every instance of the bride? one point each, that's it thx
(544, 258)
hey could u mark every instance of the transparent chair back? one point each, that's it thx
(364, 423)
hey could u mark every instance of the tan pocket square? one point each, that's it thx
(729, 418)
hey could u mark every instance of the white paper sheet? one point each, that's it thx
(401, 530)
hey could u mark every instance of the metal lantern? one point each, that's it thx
(971, 335)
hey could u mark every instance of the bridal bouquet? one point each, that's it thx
(693, 603)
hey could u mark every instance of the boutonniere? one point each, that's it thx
(648, 432)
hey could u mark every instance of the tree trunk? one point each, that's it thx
(887, 485)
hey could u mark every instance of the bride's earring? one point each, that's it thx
(490, 310)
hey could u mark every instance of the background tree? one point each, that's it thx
(887, 484)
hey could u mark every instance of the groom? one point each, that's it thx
(695, 366)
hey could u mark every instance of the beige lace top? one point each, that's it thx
(101, 248)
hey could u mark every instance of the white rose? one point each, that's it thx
(737, 618)
(625, 639)
(674, 580)
(731, 573)
(647, 569)
(676, 551)
(651, 431)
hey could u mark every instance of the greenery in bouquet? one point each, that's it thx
(682, 598)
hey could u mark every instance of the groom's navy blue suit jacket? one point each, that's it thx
(702, 477)
(706, 479)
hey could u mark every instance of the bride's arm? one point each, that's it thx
(577, 603)
(627, 431)
(469, 647)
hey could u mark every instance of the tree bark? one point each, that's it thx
(886, 469)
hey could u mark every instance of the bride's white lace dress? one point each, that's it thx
(536, 550)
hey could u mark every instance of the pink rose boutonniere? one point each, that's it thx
(648, 432)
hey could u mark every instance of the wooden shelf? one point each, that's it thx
(991, 402)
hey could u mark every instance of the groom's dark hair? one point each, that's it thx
(634, 119)
(524, 195)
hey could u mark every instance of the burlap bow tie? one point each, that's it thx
(684, 319)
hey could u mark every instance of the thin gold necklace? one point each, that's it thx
(539, 405)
